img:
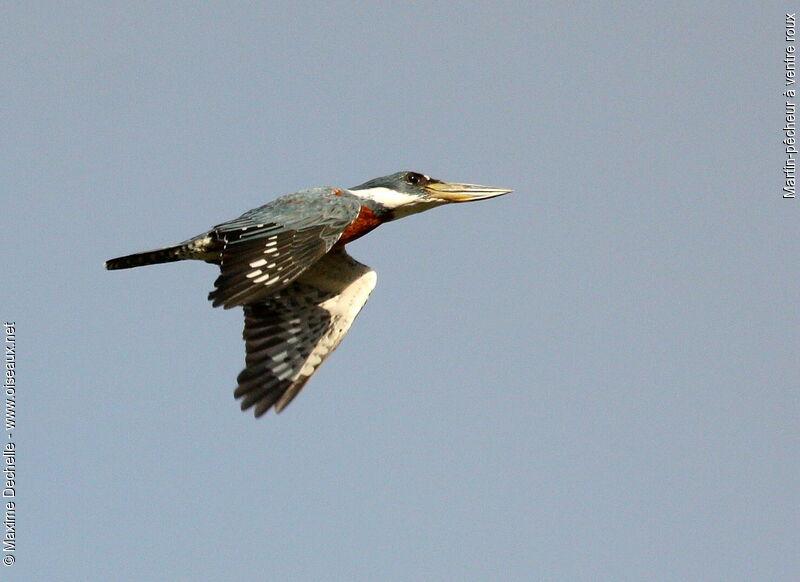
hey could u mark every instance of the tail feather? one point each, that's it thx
(165, 255)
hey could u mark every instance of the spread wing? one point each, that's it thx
(267, 248)
(289, 334)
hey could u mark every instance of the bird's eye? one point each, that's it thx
(414, 178)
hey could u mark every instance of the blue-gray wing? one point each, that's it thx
(267, 248)
(289, 334)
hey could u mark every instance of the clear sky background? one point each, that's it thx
(593, 378)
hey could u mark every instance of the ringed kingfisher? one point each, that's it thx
(285, 263)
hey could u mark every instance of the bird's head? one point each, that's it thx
(405, 193)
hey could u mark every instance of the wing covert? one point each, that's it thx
(267, 248)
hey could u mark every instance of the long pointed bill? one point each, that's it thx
(453, 192)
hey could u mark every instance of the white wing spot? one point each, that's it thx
(286, 374)
(255, 273)
(277, 369)
(258, 263)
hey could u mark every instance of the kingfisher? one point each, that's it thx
(285, 263)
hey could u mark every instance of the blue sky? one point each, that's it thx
(593, 378)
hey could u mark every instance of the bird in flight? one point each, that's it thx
(285, 263)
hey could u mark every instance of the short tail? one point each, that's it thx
(165, 255)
